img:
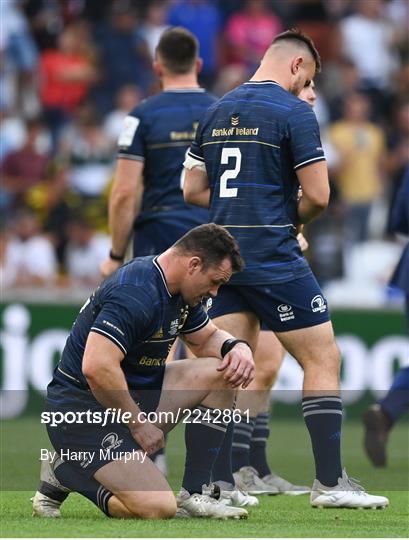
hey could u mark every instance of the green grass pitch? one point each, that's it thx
(279, 516)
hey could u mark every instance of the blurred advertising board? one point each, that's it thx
(373, 343)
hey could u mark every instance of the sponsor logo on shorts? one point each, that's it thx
(286, 312)
(111, 441)
(318, 304)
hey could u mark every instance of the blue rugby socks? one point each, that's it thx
(88, 487)
(258, 444)
(203, 442)
(243, 431)
(323, 417)
(222, 472)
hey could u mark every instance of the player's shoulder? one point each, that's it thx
(208, 97)
(146, 106)
(171, 98)
(132, 283)
(265, 92)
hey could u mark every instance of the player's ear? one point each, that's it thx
(199, 65)
(296, 64)
(195, 263)
(157, 68)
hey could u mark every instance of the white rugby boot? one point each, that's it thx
(230, 497)
(346, 494)
(51, 493)
(248, 480)
(284, 486)
(204, 506)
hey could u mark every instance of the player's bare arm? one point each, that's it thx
(102, 369)
(315, 191)
(237, 364)
(124, 203)
(196, 188)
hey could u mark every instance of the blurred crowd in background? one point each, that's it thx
(72, 69)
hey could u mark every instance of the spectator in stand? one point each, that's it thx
(402, 82)
(66, 75)
(154, 25)
(368, 41)
(340, 79)
(203, 19)
(23, 168)
(12, 131)
(124, 56)
(86, 249)
(19, 57)
(127, 99)
(313, 17)
(88, 153)
(249, 33)
(52, 203)
(360, 145)
(46, 22)
(28, 256)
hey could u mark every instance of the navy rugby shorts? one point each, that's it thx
(88, 446)
(281, 307)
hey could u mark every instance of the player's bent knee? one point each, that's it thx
(266, 376)
(213, 377)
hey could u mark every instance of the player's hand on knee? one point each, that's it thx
(148, 436)
(108, 267)
(238, 365)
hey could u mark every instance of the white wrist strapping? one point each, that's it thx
(191, 163)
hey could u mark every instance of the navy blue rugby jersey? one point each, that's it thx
(253, 140)
(135, 310)
(159, 132)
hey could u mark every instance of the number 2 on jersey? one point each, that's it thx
(228, 153)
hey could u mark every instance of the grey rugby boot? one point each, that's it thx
(51, 493)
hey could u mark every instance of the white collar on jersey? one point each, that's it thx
(185, 90)
(262, 82)
(162, 275)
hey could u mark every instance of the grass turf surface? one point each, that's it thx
(279, 516)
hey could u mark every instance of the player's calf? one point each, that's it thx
(140, 487)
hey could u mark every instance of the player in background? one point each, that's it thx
(248, 459)
(380, 417)
(253, 150)
(146, 197)
(268, 358)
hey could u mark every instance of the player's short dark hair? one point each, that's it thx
(178, 49)
(295, 35)
(212, 243)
